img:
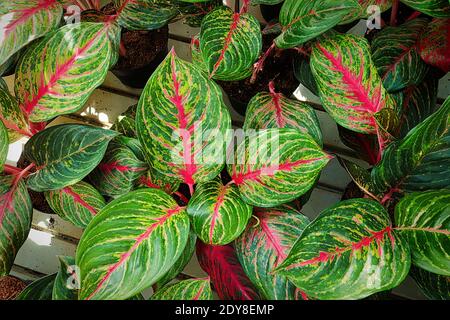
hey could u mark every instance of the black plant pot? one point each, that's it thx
(270, 13)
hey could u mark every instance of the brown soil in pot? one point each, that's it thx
(10, 287)
(37, 198)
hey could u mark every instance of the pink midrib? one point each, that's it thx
(108, 167)
(77, 198)
(228, 40)
(189, 167)
(220, 200)
(59, 73)
(278, 110)
(240, 178)
(28, 13)
(274, 240)
(377, 236)
(354, 84)
(138, 241)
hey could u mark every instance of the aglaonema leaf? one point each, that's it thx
(191, 289)
(434, 44)
(40, 289)
(275, 166)
(126, 124)
(154, 179)
(119, 170)
(424, 220)
(274, 110)
(178, 101)
(395, 54)
(349, 252)
(303, 20)
(77, 203)
(364, 12)
(265, 244)
(181, 263)
(65, 154)
(145, 14)
(421, 160)
(225, 272)
(66, 282)
(74, 61)
(11, 116)
(25, 21)
(434, 8)
(218, 213)
(15, 220)
(131, 244)
(4, 145)
(434, 286)
(349, 85)
(230, 43)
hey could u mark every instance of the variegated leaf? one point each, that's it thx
(193, 11)
(349, 85)
(303, 20)
(396, 56)
(65, 154)
(197, 58)
(119, 170)
(267, 2)
(12, 117)
(191, 289)
(181, 263)
(366, 145)
(15, 220)
(434, 286)
(434, 44)
(230, 43)
(22, 21)
(177, 101)
(274, 110)
(74, 60)
(226, 273)
(77, 203)
(126, 124)
(3, 85)
(421, 160)
(303, 73)
(66, 281)
(265, 244)
(434, 8)
(131, 244)
(424, 220)
(349, 252)
(275, 166)
(4, 145)
(217, 212)
(145, 14)
(154, 179)
(40, 289)
(364, 10)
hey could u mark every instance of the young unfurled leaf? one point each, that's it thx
(434, 286)
(191, 289)
(77, 203)
(265, 244)
(218, 213)
(40, 289)
(395, 54)
(434, 8)
(11, 116)
(145, 14)
(275, 166)
(434, 44)
(349, 85)
(303, 20)
(423, 219)
(66, 281)
(4, 145)
(181, 263)
(120, 168)
(73, 61)
(144, 228)
(65, 154)
(15, 220)
(178, 101)
(25, 21)
(349, 252)
(225, 272)
(421, 160)
(230, 43)
(274, 110)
